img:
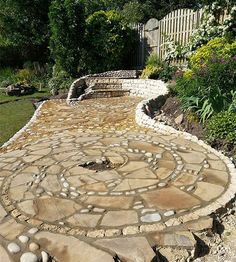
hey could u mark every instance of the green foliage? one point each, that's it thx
(210, 86)
(24, 31)
(67, 32)
(156, 69)
(108, 42)
(133, 12)
(60, 81)
(217, 49)
(222, 127)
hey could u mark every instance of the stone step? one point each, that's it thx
(105, 93)
(110, 86)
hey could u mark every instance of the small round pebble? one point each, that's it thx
(13, 248)
(33, 247)
(28, 257)
(33, 230)
(23, 239)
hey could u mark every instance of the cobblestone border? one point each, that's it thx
(143, 119)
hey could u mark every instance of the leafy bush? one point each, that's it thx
(209, 87)
(67, 31)
(222, 127)
(60, 81)
(108, 42)
(216, 50)
(156, 69)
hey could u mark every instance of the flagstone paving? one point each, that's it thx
(86, 183)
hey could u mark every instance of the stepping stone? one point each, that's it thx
(181, 239)
(76, 250)
(128, 249)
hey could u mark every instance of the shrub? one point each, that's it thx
(156, 69)
(216, 50)
(209, 87)
(67, 32)
(108, 42)
(222, 127)
(60, 81)
(23, 75)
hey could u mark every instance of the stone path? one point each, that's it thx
(86, 183)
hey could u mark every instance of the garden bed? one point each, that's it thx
(171, 113)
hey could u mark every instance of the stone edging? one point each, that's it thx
(146, 121)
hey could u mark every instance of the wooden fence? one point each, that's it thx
(178, 26)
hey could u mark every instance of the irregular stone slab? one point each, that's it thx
(95, 187)
(163, 172)
(185, 179)
(119, 218)
(107, 175)
(182, 239)
(199, 224)
(4, 255)
(219, 165)
(18, 192)
(31, 158)
(133, 165)
(142, 173)
(28, 207)
(50, 183)
(128, 249)
(215, 177)
(110, 201)
(52, 209)
(148, 147)
(78, 170)
(207, 191)
(131, 184)
(192, 157)
(10, 229)
(70, 249)
(54, 170)
(31, 170)
(42, 152)
(63, 156)
(109, 141)
(84, 220)
(170, 198)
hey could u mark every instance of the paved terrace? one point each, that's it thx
(86, 183)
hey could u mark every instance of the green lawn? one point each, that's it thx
(39, 94)
(13, 116)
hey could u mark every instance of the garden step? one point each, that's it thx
(100, 93)
(106, 86)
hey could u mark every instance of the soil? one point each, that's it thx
(172, 114)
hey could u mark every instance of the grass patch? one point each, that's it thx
(13, 116)
(5, 98)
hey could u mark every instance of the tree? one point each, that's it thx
(108, 41)
(24, 29)
(67, 33)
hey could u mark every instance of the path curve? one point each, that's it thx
(91, 171)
